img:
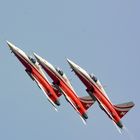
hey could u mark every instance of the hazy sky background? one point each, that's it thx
(102, 36)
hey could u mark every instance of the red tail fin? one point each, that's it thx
(122, 109)
(86, 101)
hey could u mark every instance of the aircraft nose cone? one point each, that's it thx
(36, 56)
(11, 46)
(72, 65)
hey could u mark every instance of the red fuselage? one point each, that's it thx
(38, 76)
(96, 93)
(67, 91)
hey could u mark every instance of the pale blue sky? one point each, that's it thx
(101, 36)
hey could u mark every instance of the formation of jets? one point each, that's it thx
(35, 68)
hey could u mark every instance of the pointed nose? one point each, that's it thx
(38, 58)
(69, 61)
(43, 61)
(72, 64)
(11, 46)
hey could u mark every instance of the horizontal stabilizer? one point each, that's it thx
(86, 101)
(123, 108)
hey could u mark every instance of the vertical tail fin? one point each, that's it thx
(123, 108)
(87, 101)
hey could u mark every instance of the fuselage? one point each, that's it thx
(95, 92)
(59, 80)
(34, 70)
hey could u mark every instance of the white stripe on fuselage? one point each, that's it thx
(67, 81)
(49, 67)
(61, 79)
(24, 57)
(89, 80)
(86, 76)
(103, 91)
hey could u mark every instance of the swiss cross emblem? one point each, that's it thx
(87, 105)
(123, 113)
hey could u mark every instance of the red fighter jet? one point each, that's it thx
(97, 92)
(35, 72)
(61, 82)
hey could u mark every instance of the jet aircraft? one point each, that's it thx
(97, 93)
(34, 70)
(61, 82)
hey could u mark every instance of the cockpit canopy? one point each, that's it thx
(59, 71)
(93, 78)
(33, 60)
